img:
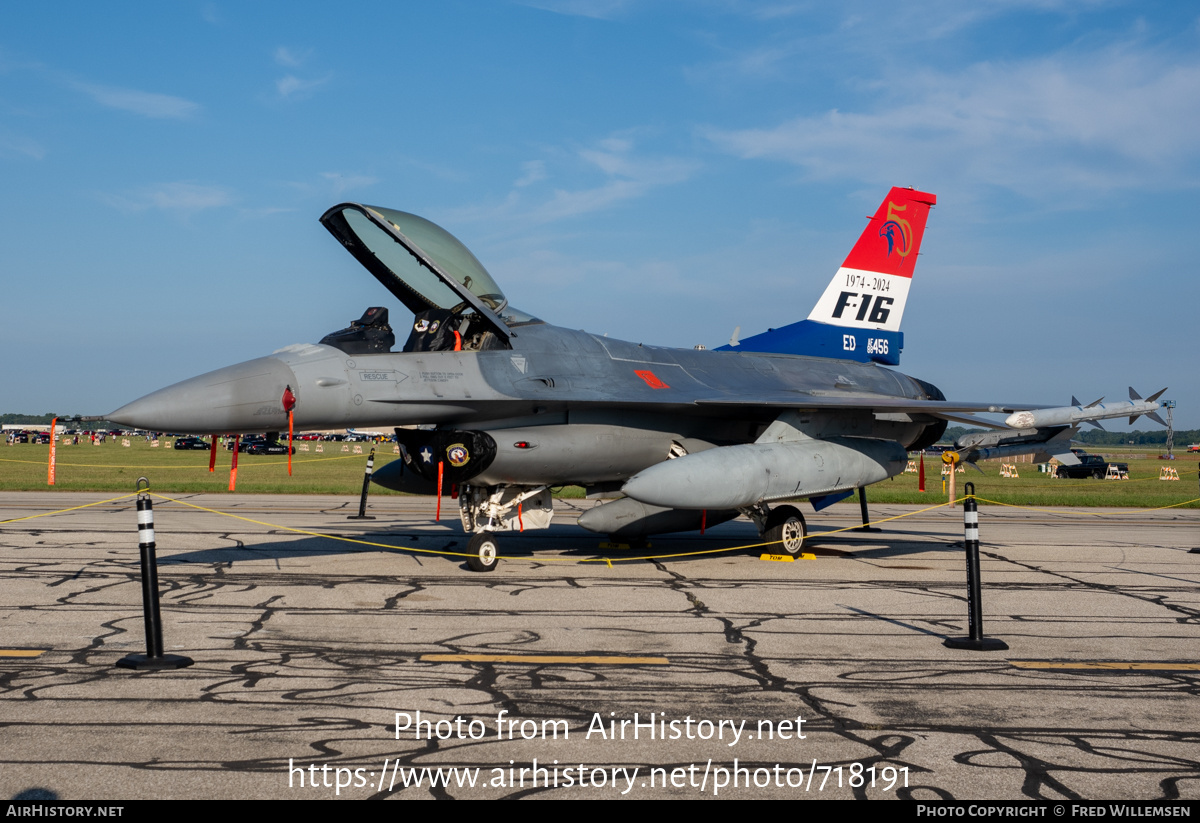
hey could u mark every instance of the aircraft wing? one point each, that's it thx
(858, 401)
(1046, 442)
(969, 420)
(879, 403)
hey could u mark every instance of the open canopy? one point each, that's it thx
(419, 262)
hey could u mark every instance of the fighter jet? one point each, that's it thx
(497, 407)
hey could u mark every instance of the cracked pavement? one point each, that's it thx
(306, 649)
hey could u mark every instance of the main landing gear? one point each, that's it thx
(783, 526)
(786, 525)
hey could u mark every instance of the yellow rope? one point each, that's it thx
(1094, 514)
(73, 508)
(607, 560)
(307, 531)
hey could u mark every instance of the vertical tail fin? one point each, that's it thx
(870, 289)
(858, 316)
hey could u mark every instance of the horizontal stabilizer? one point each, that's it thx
(1054, 442)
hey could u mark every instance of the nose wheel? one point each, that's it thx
(483, 551)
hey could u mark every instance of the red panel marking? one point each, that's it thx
(890, 242)
(651, 381)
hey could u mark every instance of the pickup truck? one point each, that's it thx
(1090, 465)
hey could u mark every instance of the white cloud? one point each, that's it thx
(145, 103)
(573, 203)
(180, 197)
(332, 184)
(12, 145)
(629, 177)
(291, 86)
(342, 183)
(267, 211)
(1109, 120)
(909, 22)
(534, 171)
(438, 170)
(597, 9)
(290, 58)
(625, 174)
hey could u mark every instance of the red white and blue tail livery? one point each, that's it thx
(858, 316)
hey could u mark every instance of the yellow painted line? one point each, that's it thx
(1121, 665)
(22, 652)
(544, 658)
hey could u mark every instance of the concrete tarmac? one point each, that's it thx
(698, 676)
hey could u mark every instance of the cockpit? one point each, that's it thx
(455, 302)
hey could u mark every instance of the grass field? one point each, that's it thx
(114, 468)
(1033, 488)
(111, 467)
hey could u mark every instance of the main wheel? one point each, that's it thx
(786, 527)
(483, 551)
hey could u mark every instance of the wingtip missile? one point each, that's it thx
(1076, 414)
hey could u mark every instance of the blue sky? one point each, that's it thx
(656, 171)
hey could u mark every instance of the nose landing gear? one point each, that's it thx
(483, 551)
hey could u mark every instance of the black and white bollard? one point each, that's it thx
(975, 640)
(153, 660)
(362, 502)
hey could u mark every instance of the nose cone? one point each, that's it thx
(243, 398)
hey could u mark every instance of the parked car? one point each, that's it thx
(192, 443)
(244, 442)
(264, 447)
(1090, 465)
